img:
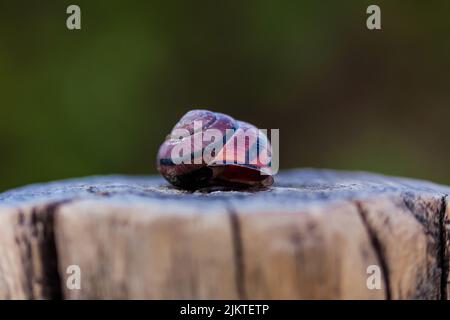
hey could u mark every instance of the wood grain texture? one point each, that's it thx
(313, 235)
(445, 254)
(409, 254)
(317, 253)
(150, 250)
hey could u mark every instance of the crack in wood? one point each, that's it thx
(443, 249)
(377, 247)
(441, 237)
(50, 253)
(238, 251)
(24, 244)
(39, 254)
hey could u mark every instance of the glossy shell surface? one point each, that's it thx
(237, 157)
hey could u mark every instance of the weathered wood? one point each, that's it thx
(312, 236)
(150, 250)
(409, 254)
(317, 253)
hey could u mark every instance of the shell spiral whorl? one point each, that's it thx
(210, 149)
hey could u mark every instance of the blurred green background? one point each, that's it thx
(101, 100)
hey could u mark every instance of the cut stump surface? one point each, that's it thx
(316, 234)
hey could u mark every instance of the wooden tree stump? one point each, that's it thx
(314, 235)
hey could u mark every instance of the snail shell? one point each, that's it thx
(237, 157)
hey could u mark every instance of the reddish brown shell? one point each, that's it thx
(232, 164)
